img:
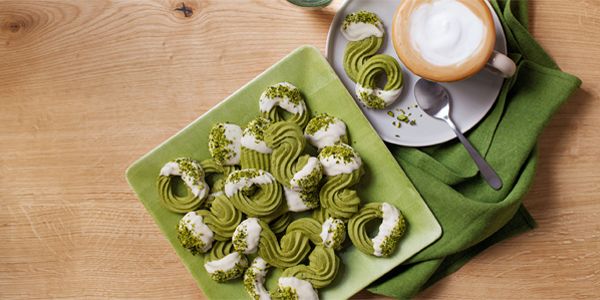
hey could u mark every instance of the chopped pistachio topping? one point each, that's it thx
(389, 243)
(321, 121)
(257, 128)
(249, 280)
(244, 173)
(361, 16)
(284, 91)
(239, 240)
(191, 169)
(235, 272)
(311, 200)
(285, 293)
(390, 113)
(218, 144)
(311, 180)
(188, 239)
(372, 100)
(341, 152)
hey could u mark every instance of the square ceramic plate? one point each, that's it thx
(324, 92)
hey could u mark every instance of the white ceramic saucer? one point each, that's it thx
(472, 98)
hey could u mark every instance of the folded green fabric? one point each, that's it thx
(473, 215)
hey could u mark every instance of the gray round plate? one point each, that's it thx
(472, 98)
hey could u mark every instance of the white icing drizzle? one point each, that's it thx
(303, 288)
(195, 224)
(328, 230)
(311, 164)
(360, 31)
(390, 219)
(334, 166)
(198, 188)
(388, 97)
(231, 187)
(224, 264)
(233, 133)
(266, 103)
(294, 200)
(328, 136)
(249, 141)
(259, 268)
(253, 229)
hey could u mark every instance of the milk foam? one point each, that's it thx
(446, 32)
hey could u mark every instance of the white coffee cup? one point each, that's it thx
(448, 40)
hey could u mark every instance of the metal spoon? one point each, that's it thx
(434, 100)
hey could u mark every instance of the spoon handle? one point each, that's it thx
(486, 170)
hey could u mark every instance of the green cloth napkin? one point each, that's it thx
(473, 215)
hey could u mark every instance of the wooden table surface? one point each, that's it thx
(86, 87)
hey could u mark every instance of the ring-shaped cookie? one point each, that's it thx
(286, 97)
(366, 83)
(254, 192)
(192, 174)
(390, 231)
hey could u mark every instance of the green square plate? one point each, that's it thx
(324, 92)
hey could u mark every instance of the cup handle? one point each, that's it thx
(502, 64)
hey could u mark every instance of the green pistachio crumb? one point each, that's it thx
(340, 152)
(249, 280)
(285, 293)
(312, 180)
(283, 91)
(361, 16)
(190, 168)
(218, 144)
(413, 122)
(389, 243)
(321, 121)
(239, 240)
(390, 113)
(244, 173)
(189, 240)
(398, 125)
(372, 100)
(222, 276)
(257, 128)
(402, 118)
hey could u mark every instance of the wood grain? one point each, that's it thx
(86, 87)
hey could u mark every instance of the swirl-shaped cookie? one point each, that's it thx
(343, 169)
(222, 217)
(390, 231)
(292, 288)
(321, 270)
(192, 174)
(300, 173)
(254, 279)
(366, 87)
(289, 251)
(215, 173)
(224, 143)
(357, 53)
(254, 192)
(365, 32)
(224, 263)
(194, 234)
(325, 130)
(255, 152)
(287, 97)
